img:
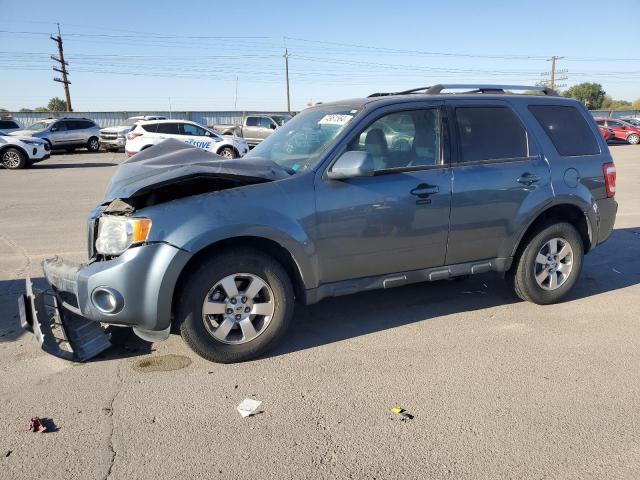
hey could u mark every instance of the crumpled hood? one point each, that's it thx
(173, 160)
(23, 133)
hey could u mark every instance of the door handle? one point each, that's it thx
(528, 179)
(424, 190)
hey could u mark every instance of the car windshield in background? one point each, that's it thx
(281, 119)
(3, 133)
(39, 126)
(297, 144)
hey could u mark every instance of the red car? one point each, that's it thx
(621, 129)
(606, 133)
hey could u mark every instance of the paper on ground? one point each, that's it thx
(249, 407)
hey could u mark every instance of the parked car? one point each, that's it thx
(254, 128)
(633, 121)
(21, 152)
(7, 126)
(148, 133)
(114, 138)
(221, 250)
(606, 133)
(65, 133)
(621, 129)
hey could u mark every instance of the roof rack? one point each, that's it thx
(471, 88)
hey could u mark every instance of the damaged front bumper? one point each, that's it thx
(134, 289)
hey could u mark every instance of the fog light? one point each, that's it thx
(107, 300)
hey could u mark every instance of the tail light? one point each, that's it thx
(133, 135)
(609, 171)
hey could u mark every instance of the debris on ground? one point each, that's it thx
(34, 425)
(249, 407)
(403, 413)
(9, 452)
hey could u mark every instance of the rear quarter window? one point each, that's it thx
(150, 127)
(568, 130)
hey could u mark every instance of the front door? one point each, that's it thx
(398, 219)
(498, 173)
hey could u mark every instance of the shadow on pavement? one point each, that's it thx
(612, 266)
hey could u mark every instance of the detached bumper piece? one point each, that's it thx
(59, 330)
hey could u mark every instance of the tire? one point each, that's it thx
(13, 159)
(227, 152)
(93, 144)
(565, 269)
(633, 139)
(239, 343)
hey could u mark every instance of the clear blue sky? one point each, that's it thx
(131, 55)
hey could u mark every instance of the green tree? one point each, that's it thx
(41, 109)
(591, 94)
(57, 105)
(636, 104)
(3, 110)
(610, 104)
(23, 109)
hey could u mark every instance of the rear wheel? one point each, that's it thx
(235, 306)
(93, 145)
(548, 266)
(13, 159)
(227, 152)
(633, 139)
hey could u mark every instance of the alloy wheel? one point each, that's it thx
(11, 159)
(554, 264)
(238, 308)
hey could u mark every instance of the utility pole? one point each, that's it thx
(554, 75)
(235, 101)
(286, 69)
(62, 69)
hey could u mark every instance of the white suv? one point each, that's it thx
(149, 133)
(21, 152)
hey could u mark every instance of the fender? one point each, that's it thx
(585, 207)
(17, 147)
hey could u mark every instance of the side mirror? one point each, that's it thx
(352, 164)
(273, 126)
(54, 129)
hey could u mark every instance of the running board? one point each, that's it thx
(60, 332)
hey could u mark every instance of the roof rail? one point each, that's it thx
(472, 88)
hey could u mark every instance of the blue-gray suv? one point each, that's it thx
(379, 192)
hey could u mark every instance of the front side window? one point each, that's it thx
(567, 129)
(402, 140)
(614, 124)
(194, 130)
(265, 122)
(8, 124)
(490, 134)
(60, 126)
(298, 144)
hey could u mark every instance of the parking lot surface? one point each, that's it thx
(498, 388)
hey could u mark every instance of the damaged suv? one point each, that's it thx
(349, 196)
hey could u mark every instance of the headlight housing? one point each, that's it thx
(116, 234)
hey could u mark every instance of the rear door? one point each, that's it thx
(498, 175)
(251, 129)
(168, 130)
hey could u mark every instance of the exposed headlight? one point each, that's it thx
(116, 234)
(31, 142)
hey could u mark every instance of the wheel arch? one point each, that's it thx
(261, 244)
(235, 150)
(17, 147)
(567, 212)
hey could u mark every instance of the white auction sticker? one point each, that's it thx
(335, 119)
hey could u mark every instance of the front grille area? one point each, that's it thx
(108, 136)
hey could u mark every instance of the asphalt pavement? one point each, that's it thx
(498, 388)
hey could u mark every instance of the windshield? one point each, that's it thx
(39, 126)
(129, 122)
(280, 119)
(297, 145)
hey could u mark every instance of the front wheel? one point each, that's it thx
(549, 265)
(227, 152)
(13, 159)
(235, 306)
(93, 145)
(633, 139)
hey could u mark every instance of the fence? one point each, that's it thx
(111, 119)
(616, 113)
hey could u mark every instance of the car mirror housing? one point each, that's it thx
(352, 164)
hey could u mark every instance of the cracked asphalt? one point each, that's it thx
(498, 388)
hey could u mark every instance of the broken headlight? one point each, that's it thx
(116, 234)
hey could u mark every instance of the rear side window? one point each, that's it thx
(8, 124)
(567, 129)
(252, 121)
(490, 133)
(169, 128)
(150, 127)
